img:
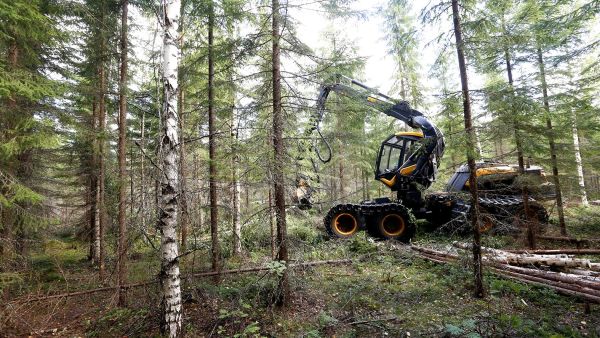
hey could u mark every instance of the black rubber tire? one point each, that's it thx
(395, 214)
(343, 221)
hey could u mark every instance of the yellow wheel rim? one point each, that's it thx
(345, 224)
(392, 225)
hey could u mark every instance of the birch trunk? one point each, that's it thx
(122, 242)
(169, 176)
(471, 142)
(579, 163)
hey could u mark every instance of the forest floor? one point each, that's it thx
(386, 291)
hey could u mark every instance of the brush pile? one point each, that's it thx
(564, 273)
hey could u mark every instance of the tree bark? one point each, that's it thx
(578, 161)
(272, 226)
(94, 224)
(279, 158)
(122, 242)
(235, 188)
(169, 186)
(214, 213)
(101, 168)
(477, 266)
(557, 186)
(183, 202)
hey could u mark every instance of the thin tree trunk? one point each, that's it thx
(183, 201)
(215, 249)
(555, 177)
(477, 266)
(235, 189)
(279, 158)
(122, 242)
(102, 169)
(184, 222)
(94, 224)
(272, 225)
(142, 173)
(235, 158)
(578, 161)
(531, 241)
(169, 176)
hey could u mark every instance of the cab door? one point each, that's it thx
(389, 160)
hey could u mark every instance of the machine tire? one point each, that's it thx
(395, 223)
(343, 221)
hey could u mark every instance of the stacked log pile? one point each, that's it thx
(578, 277)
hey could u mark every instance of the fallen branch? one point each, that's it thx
(193, 275)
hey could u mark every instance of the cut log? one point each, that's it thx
(573, 285)
(531, 259)
(570, 239)
(559, 287)
(553, 276)
(558, 251)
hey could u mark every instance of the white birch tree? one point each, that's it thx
(169, 177)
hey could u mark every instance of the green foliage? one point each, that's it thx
(362, 244)
(120, 322)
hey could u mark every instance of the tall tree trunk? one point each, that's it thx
(122, 243)
(183, 203)
(557, 186)
(279, 158)
(235, 188)
(578, 161)
(235, 158)
(183, 196)
(272, 226)
(101, 169)
(477, 266)
(142, 172)
(169, 177)
(94, 224)
(531, 239)
(214, 234)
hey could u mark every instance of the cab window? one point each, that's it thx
(390, 158)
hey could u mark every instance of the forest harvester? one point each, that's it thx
(407, 163)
